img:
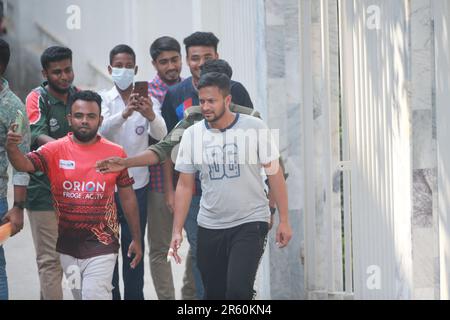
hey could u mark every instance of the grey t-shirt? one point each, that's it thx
(230, 164)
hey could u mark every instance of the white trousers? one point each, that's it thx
(89, 279)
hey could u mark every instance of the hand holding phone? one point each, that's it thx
(141, 88)
(19, 121)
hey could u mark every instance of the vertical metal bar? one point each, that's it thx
(442, 65)
(261, 84)
(347, 100)
(310, 221)
(325, 94)
(356, 147)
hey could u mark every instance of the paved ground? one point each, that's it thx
(22, 271)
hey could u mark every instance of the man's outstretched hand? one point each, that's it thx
(114, 164)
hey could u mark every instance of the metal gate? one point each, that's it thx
(357, 149)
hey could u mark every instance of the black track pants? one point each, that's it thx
(228, 259)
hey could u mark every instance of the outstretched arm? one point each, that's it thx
(155, 154)
(117, 164)
(17, 158)
(165, 146)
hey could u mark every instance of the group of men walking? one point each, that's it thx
(93, 175)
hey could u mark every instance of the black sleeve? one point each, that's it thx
(168, 111)
(240, 96)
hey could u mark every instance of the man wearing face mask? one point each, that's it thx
(128, 121)
(47, 109)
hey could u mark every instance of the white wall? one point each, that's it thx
(106, 23)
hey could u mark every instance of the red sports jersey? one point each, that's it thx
(83, 198)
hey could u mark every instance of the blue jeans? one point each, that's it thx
(133, 279)
(3, 277)
(191, 227)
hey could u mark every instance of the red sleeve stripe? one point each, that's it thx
(125, 181)
(32, 105)
(38, 161)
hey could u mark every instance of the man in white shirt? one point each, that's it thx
(128, 120)
(229, 150)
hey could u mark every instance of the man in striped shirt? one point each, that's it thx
(166, 59)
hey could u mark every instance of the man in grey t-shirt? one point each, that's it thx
(230, 151)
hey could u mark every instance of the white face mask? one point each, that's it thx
(122, 77)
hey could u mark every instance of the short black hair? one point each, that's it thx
(5, 53)
(162, 44)
(216, 65)
(121, 48)
(86, 95)
(206, 39)
(215, 79)
(54, 54)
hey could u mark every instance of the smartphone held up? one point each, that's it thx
(19, 121)
(141, 88)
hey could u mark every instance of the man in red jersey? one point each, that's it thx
(84, 198)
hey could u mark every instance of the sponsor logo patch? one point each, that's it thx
(67, 164)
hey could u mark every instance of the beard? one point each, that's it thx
(171, 77)
(217, 116)
(85, 136)
(56, 88)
